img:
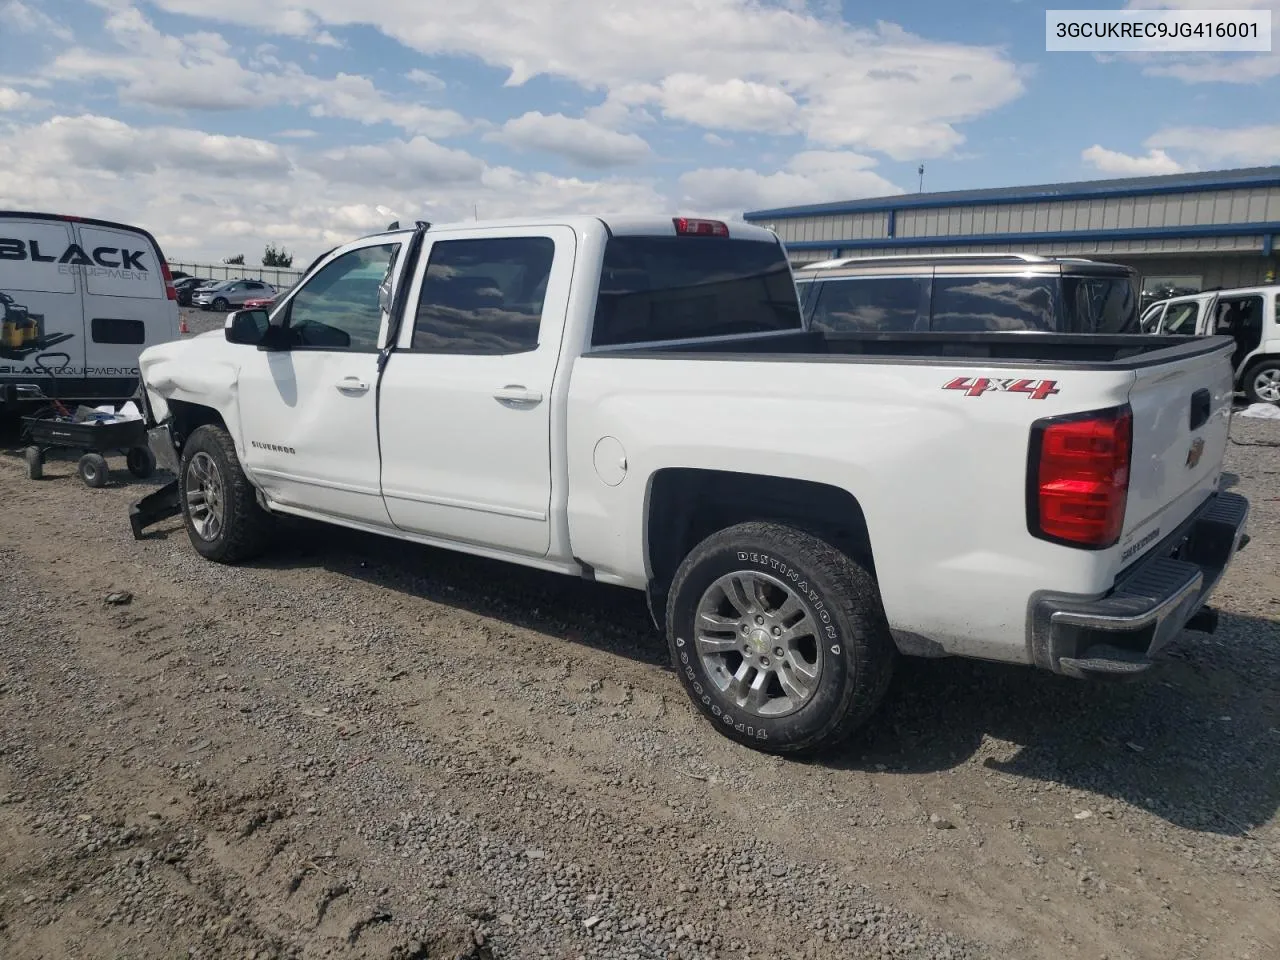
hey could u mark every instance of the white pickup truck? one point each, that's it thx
(637, 401)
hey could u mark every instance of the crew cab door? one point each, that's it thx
(466, 399)
(308, 410)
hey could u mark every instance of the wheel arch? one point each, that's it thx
(187, 416)
(684, 506)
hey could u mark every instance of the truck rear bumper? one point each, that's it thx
(1120, 633)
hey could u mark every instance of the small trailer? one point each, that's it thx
(96, 439)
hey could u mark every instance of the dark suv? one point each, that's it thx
(969, 292)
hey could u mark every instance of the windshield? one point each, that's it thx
(676, 288)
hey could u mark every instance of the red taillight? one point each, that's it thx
(170, 290)
(688, 227)
(1079, 477)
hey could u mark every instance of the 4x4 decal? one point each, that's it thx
(977, 386)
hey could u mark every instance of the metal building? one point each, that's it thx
(1183, 233)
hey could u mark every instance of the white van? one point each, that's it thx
(1247, 314)
(79, 300)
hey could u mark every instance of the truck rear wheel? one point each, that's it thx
(779, 638)
(221, 510)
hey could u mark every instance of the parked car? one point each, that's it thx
(259, 303)
(957, 293)
(79, 300)
(231, 293)
(639, 401)
(186, 286)
(1247, 315)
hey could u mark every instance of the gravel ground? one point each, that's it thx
(359, 748)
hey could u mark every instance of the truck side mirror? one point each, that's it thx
(247, 327)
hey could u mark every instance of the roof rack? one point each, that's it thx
(917, 257)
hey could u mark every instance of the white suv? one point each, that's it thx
(1246, 314)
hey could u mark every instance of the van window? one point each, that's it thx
(674, 288)
(117, 330)
(881, 304)
(995, 303)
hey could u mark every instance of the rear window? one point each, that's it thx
(1100, 305)
(117, 330)
(675, 288)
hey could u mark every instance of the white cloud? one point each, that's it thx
(814, 176)
(582, 141)
(869, 88)
(1208, 67)
(1112, 161)
(427, 79)
(1222, 147)
(14, 100)
(351, 97)
(206, 196)
(731, 105)
(297, 133)
(199, 72)
(22, 18)
(1174, 149)
(405, 164)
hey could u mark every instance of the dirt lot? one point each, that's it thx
(361, 749)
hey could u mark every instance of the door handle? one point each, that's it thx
(517, 396)
(351, 385)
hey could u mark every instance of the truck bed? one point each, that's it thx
(1080, 351)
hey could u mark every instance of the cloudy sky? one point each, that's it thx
(223, 125)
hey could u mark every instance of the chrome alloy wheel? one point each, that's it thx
(1266, 384)
(758, 643)
(206, 503)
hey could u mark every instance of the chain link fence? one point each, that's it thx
(279, 277)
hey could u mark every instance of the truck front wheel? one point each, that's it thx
(223, 517)
(779, 638)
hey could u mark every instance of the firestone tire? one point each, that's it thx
(839, 651)
(224, 520)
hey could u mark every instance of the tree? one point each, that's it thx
(276, 257)
(238, 259)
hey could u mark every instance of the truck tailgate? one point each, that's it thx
(1181, 417)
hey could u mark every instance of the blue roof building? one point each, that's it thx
(1183, 232)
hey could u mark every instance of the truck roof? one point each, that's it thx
(618, 224)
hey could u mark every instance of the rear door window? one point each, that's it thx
(871, 304)
(118, 263)
(676, 288)
(483, 296)
(1180, 319)
(995, 303)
